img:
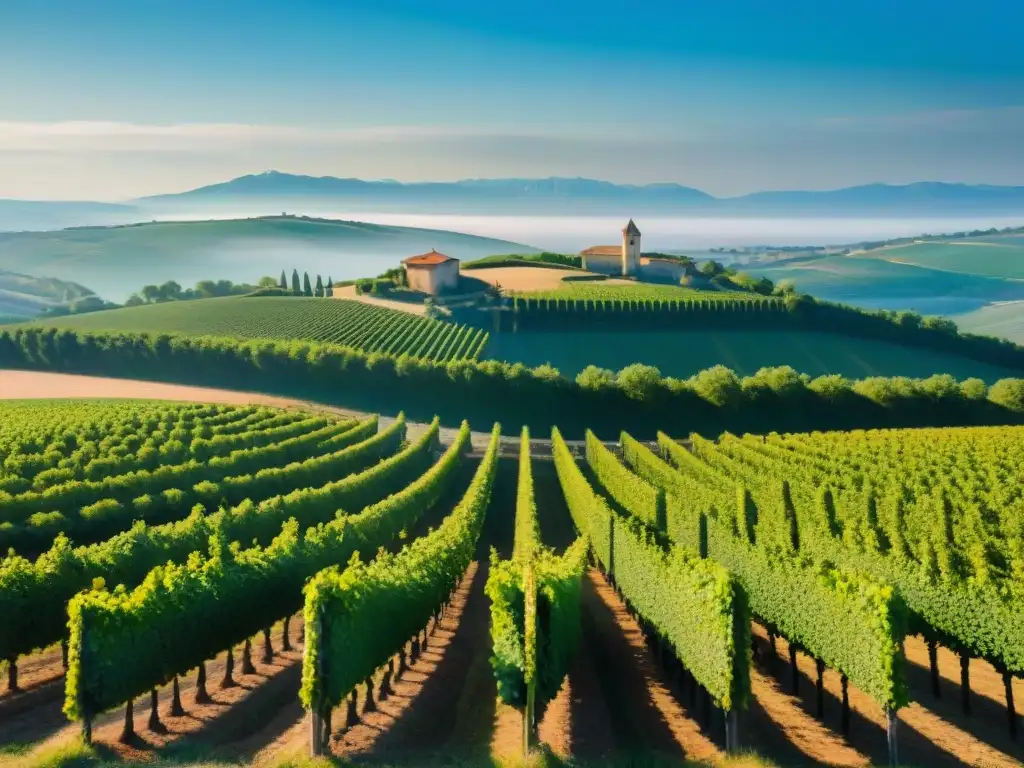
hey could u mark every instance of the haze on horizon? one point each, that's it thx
(123, 98)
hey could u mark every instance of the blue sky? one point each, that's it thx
(111, 99)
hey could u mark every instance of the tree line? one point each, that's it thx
(304, 287)
(637, 398)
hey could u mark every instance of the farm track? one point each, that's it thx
(39, 677)
(232, 710)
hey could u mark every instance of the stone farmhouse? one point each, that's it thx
(431, 273)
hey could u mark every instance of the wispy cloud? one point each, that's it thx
(106, 136)
(936, 119)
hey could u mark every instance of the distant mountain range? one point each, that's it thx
(565, 195)
(274, 192)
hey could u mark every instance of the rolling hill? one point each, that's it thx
(876, 283)
(31, 215)
(1004, 319)
(988, 256)
(117, 261)
(23, 297)
(675, 353)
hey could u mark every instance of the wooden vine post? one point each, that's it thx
(891, 720)
(86, 714)
(530, 640)
(732, 735)
(316, 725)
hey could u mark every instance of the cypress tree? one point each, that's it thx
(307, 289)
(296, 285)
(283, 285)
(319, 290)
(330, 287)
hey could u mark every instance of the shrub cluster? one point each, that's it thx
(637, 397)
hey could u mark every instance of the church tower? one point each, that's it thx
(630, 249)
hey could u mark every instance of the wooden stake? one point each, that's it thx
(369, 705)
(1011, 711)
(890, 733)
(933, 664)
(202, 697)
(247, 665)
(795, 669)
(846, 705)
(154, 713)
(129, 723)
(64, 654)
(965, 683)
(229, 669)
(268, 649)
(352, 716)
(176, 709)
(732, 735)
(821, 686)
(316, 733)
(12, 674)
(286, 643)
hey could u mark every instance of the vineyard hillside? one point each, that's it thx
(287, 582)
(336, 321)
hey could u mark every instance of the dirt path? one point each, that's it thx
(444, 704)
(40, 678)
(350, 292)
(646, 719)
(930, 733)
(231, 711)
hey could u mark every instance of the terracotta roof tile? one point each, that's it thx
(428, 259)
(602, 250)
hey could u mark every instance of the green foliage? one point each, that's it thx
(92, 509)
(933, 513)
(552, 260)
(850, 620)
(361, 616)
(33, 595)
(527, 527)
(335, 321)
(183, 614)
(695, 605)
(528, 651)
(594, 306)
(780, 400)
(634, 495)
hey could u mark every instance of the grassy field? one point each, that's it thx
(682, 354)
(116, 261)
(992, 257)
(352, 323)
(880, 284)
(1004, 320)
